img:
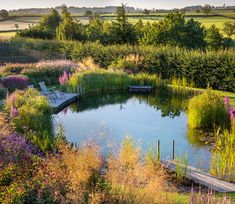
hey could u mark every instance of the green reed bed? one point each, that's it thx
(108, 80)
(223, 156)
(207, 111)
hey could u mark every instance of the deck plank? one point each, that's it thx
(58, 103)
(202, 178)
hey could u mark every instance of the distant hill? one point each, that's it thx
(108, 10)
(73, 10)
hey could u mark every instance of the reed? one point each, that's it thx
(207, 111)
(109, 80)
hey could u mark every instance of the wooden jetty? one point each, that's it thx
(140, 89)
(62, 100)
(202, 178)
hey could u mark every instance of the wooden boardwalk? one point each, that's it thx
(202, 178)
(61, 101)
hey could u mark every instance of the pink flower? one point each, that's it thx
(64, 78)
(226, 100)
(232, 113)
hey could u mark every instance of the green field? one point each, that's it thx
(7, 35)
(215, 17)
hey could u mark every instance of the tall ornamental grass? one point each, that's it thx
(207, 111)
(108, 80)
(223, 157)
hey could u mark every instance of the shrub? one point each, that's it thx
(207, 110)
(13, 83)
(30, 114)
(15, 148)
(3, 92)
(210, 67)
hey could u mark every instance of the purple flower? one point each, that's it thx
(15, 82)
(232, 113)
(14, 147)
(226, 100)
(14, 111)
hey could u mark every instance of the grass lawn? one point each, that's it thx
(7, 34)
(231, 95)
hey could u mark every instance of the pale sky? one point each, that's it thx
(168, 4)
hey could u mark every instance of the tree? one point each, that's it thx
(122, 31)
(194, 35)
(16, 26)
(88, 13)
(94, 30)
(68, 29)
(50, 21)
(176, 31)
(206, 9)
(229, 28)
(146, 11)
(214, 38)
(4, 14)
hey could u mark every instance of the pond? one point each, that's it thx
(108, 118)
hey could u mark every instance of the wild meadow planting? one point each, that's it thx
(38, 164)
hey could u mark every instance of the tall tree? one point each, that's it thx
(122, 31)
(68, 29)
(214, 38)
(229, 28)
(50, 21)
(4, 14)
(206, 9)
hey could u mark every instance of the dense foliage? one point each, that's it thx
(210, 68)
(174, 30)
(30, 113)
(208, 111)
(109, 80)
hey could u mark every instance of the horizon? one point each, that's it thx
(148, 4)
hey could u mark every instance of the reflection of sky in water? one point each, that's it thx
(109, 125)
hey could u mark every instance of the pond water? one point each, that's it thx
(108, 118)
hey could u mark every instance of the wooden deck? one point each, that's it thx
(203, 178)
(61, 101)
(140, 89)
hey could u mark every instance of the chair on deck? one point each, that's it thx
(50, 92)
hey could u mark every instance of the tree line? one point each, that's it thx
(173, 30)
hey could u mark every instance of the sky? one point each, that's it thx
(158, 4)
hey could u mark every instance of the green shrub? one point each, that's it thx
(203, 68)
(31, 116)
(207, 110)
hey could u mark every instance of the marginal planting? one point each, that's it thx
(208, 111)
(103, 80)
(211, 68)
(30, 114)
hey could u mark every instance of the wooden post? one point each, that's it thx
(158, 149)
(173, 150)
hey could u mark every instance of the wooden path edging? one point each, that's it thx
(202, 178)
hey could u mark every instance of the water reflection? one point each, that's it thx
(146, 117)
